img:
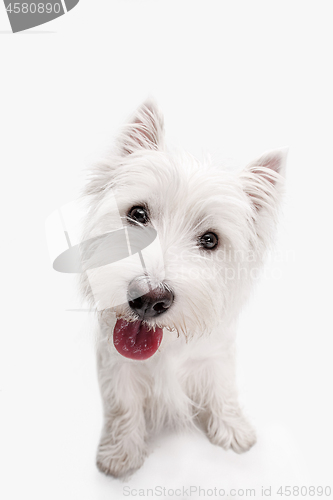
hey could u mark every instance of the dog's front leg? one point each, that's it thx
(216, 395)
(122, 448)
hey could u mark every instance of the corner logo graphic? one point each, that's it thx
(31, 13)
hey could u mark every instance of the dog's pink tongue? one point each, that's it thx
(135, 341)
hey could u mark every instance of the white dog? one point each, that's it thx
(167, 314)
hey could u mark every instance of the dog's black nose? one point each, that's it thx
(148, 302)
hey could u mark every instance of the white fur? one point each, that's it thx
(192, 376)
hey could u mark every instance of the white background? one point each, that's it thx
(233, 79)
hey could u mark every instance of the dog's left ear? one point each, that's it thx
(145, 130)
(263, 179)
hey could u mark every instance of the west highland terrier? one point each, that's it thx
(167, 307)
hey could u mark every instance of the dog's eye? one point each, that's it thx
(209, 240)
(138, 214)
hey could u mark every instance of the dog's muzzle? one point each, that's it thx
(146, 301)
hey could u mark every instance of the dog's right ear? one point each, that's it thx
(144, 132)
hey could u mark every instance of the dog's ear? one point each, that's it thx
(263, 179)
(144, 131)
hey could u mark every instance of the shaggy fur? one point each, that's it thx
(192, 375)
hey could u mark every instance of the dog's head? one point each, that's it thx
(202, 231)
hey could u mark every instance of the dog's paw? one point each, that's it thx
(119, 459)
(238, 434)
